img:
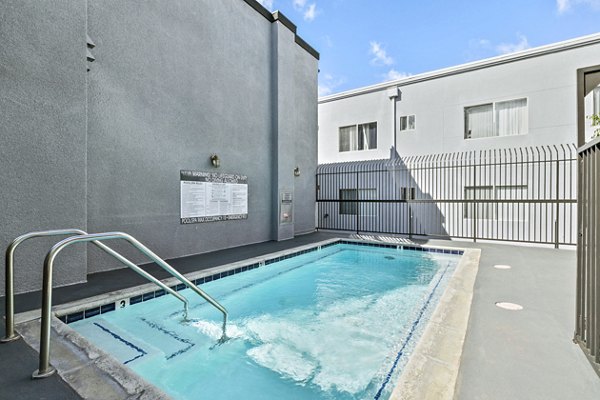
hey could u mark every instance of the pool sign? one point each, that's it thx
(209, 196)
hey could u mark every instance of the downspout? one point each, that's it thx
(393, 94)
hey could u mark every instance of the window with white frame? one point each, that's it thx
(502, 118)
(511, 211)
(367, 209)
(478, 210)
(358, 137)
(500, 211)
(407, 123)
(407, 193)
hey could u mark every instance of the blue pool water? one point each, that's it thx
(324, 325)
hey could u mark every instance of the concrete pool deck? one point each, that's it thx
(524, 354)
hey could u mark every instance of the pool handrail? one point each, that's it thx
(45, 369)
(10, 334)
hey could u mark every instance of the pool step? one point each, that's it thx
(139, 338)
(121, 344)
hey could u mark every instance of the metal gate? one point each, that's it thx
(587, 326)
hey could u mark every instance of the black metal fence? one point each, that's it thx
(587, 329)
(523, 194)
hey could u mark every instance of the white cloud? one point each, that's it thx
(381, 57)
(482, 43)
(268, 4)
(393, 75)
(299, 4)
(563, 6)
(324, 90)
(328, 83)
(311, 12)
(506, 48)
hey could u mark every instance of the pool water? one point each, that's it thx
(323, 325)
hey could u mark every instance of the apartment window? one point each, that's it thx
(479, 210)
(407, 193)
(503, 118)
(358, 137)
(407, 123)
(494, 210)
(367, 209)
(511, 211)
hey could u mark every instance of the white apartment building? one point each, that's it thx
(483, 150)
(522, 99)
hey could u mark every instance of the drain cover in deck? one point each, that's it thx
(509, 306)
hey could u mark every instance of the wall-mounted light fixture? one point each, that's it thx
(297, 171)
(215, 160)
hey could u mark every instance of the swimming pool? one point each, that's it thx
(337, 323)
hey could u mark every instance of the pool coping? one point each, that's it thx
(76, 359)
(432, 370)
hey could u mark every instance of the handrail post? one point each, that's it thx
(45, 369)
(9, 305)
(10, 334)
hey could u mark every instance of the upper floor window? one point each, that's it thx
(358, 137)
(503, 118)
(597, 100)
(407, 122)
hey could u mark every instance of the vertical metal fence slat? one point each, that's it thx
(593, 247)
(588, 249)
(580, 279)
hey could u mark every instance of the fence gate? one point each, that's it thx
(523, 194)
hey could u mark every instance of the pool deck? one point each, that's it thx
(525, 354)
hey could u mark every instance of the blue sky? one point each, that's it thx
(364, 42)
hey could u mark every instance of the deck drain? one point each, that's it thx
(502, 266)
(509, 306)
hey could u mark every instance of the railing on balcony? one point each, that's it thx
(522, 194)
(587, 324)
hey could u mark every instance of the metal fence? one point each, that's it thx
(587, 325)
(523, 194)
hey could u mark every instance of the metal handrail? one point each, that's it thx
(10, 333)
(45, 369)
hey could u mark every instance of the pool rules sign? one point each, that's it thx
(208, 197)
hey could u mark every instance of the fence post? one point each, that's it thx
(357, 206)
(410, 220)
(475, 194)
(556, 241)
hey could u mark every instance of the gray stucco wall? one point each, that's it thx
(304, 125)
(173, 82)
(42, 134)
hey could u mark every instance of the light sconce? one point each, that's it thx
(297, 171)
(215, 160)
